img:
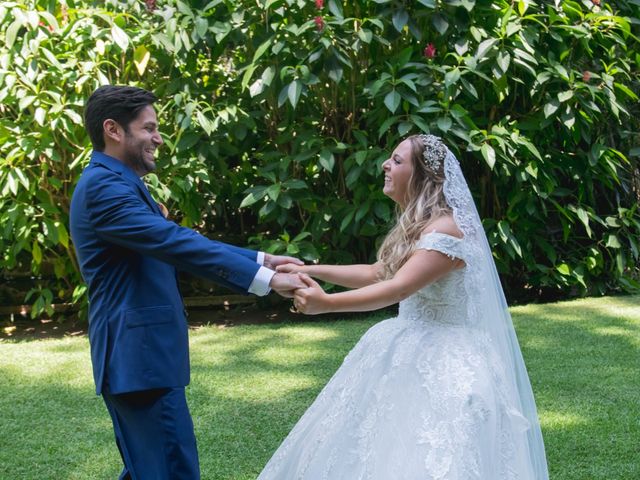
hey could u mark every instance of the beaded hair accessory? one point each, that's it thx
(434, 151)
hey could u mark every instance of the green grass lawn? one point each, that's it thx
(251, 383)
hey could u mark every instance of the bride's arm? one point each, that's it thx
(351, 276)
(424, 267)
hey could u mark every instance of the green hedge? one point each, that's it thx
(278, 114)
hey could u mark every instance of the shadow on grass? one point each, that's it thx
(583, 361)
(251, 384)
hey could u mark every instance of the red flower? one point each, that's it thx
(586, 76)
(319, 23)
(596, 2)
(430, 50)
(42, 24)
(151, 5)
(319, 4)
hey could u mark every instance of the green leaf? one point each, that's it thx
(365, 35)
(21, 177)
(202, 26)
(257, 194)
(468, 86)
(12, 33)
(444, 124)
(141, 58)
(335, 8)
(273, 192)
(293, 92)
(452, 77)
(347, 220)
(12, 183)
(404, 128)
(400, 19)
(522, 6)
(261, 49)
(385, 125)
(564, 96)
(26, 101)
(440, 23)
(52, 58)
(626, 90)
(392, 100)
(613, 241)
(584, 218)
(361, 156)
(489, 154)
(120, 37)
(63, 235)
(484, 48)
(36, 253)
(564, 269)
(503, 59)
(205, 123)
(327, 160)
(551, 107)
(461, 46)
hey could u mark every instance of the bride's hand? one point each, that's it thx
(312, 299)
(290, 268)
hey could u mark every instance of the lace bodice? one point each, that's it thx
(443, 302)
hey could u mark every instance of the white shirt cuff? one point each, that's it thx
(260, 284)
(260, 258)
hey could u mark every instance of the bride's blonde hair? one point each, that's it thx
(426, 203)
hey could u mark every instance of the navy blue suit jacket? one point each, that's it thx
(128, 254)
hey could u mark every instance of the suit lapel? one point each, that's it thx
(124, 171)
(147, 196)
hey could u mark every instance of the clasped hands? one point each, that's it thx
(291, 282)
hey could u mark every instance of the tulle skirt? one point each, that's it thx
(411, 401)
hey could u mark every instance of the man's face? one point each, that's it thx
(141, 141)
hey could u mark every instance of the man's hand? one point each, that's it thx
(272, 261)
(286, 283)
(291, 268)
(163, 210)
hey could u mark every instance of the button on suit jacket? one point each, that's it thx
(128, 254)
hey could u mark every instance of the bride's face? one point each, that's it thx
(398, 170)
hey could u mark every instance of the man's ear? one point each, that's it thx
(112, 131)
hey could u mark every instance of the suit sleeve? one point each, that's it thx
(120, 216)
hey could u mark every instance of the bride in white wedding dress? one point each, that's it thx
(439, 392)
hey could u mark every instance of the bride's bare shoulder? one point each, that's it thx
(445, 224)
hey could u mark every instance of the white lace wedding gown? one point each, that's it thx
(421, 396)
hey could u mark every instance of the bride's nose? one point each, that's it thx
(385, 165)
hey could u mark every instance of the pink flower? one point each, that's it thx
(319, 4)
(596, 2)
(319, 23)
(430, 50)
(586, 76)
(151, 5)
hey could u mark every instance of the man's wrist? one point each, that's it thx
(260, 285)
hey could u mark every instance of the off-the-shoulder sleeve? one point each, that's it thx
(451, 246)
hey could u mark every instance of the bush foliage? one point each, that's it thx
(277, 115)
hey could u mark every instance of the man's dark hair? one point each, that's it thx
(118, 103)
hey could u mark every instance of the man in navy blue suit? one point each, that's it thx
(129, 255)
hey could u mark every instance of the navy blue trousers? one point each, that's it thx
(154, 433)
